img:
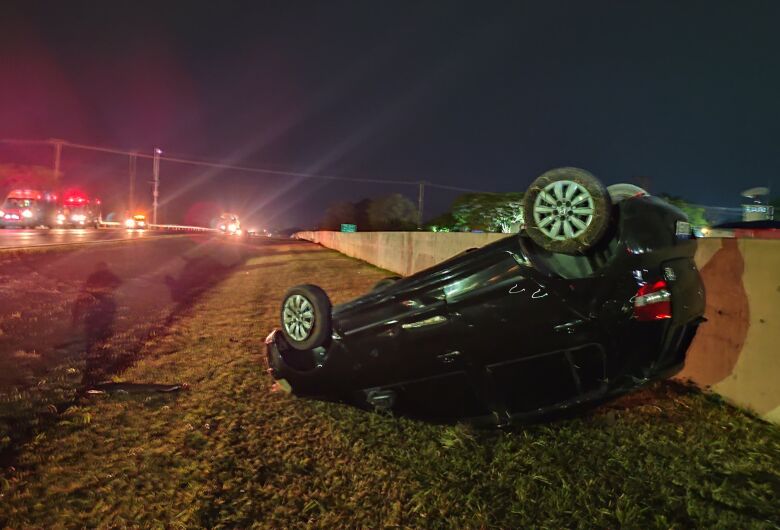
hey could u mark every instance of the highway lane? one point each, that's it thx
(70, 319)
(20, 238)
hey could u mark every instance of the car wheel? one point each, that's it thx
(566, 210)
(385, 283)
(623, 191)
(306, 317)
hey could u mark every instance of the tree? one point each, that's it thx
(361, 214)
(338, 214)
(492, 212)
(392, 212)
(445, 222)
(695, 213)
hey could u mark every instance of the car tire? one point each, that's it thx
(623, 191)
(384, 283)
(567, 210)
(306, 317)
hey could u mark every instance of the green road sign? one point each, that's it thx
(349, 228)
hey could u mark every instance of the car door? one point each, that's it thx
(522, 338)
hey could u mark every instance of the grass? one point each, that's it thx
(232, 453)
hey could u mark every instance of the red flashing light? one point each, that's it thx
(653, 302)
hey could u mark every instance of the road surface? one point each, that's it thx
(72, 318)
(18, 238)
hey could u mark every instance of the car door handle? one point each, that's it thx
(448, 357)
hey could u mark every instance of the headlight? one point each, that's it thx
(27, 214)
(78, 217)
(2, 213)
(130, 223)
(60, 217)
(232, 227)
(141, 223)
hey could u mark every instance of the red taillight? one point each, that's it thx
(653, 302)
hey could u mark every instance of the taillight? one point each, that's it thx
(653, 302)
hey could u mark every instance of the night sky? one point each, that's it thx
(482, 95)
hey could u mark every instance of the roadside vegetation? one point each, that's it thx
(232, 451)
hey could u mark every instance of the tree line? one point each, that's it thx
(487, 212)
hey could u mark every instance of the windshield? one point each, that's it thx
(19, 203)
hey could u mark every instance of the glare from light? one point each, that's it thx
(27, 214)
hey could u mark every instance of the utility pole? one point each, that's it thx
(57, 156)
(420, 199)
(156, 191)
(131, 170)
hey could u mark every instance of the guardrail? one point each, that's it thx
(182, 228)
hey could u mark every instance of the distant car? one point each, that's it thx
(229, 224)
(26, 208)
(598, 295)
(138, 221)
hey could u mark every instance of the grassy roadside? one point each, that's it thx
(231, 453)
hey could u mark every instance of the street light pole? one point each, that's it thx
(156, 175)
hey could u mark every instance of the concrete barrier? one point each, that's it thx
(401, 252)
(736, 353)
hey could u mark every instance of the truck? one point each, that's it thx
(28, 208)
(77, 210)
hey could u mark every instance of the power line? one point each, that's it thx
(216, 165)
(157, 157)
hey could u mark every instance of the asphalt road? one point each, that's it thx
(19, 238)
(99, 303)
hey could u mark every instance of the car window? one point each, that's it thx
(502, 272)
(19, 203)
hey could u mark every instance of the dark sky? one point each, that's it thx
(483, 95)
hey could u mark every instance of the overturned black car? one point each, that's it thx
(598, 295)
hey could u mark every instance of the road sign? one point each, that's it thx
(348, 228)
